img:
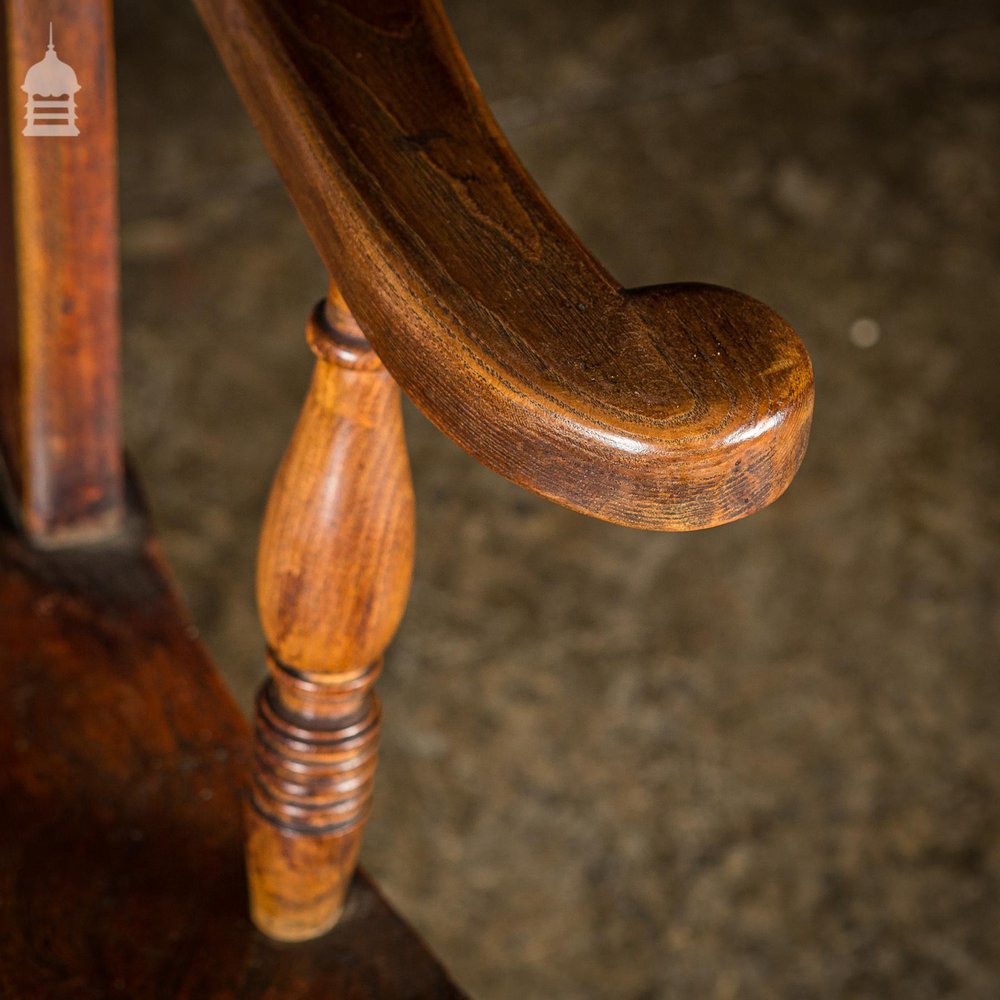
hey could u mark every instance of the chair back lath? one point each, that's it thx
(59, 272)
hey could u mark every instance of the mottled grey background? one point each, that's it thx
(755, 762)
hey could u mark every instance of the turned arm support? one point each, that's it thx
(333, 577)
(673, 407)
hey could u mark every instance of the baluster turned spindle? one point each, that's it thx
(333, 577)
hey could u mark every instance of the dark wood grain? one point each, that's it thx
(336, 557)
(59, 324)
(673, 407)
(122, 760)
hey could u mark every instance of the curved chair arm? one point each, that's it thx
(671, 407)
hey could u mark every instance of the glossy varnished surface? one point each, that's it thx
(121, 855)
(671, 407)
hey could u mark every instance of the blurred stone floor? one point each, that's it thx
(757, 762)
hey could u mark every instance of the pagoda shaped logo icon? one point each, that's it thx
(51, 86)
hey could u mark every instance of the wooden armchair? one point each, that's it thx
(126, 765)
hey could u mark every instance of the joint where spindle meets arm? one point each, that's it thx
(672, 407)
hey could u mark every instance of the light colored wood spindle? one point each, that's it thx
(336, 556)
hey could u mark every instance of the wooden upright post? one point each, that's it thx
(333, 578)
(59, 325)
